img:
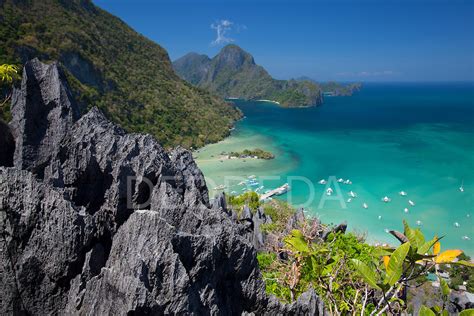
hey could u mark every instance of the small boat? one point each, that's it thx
(340, 180)
(251, 177)
(387, 230)
(242, 183)
(402, 193)
(456, 224)
(411, 202)
(465, 238)
(329, 191)
(419, 223)
(261, 187)
(322, 181)
(380, 217)
(352, 194)
(233, 192)
(348, 181)
(365, 205)
(461, 188)
(220, 187)
(386, 199)
(349, 200)
(405, 209)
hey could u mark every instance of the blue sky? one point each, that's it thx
(341, 40)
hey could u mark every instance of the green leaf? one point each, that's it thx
(423, 249)
(366, 273)
(395, 265)
(415, 236)
(425, 311)
(463, 263)
(297, 242)
(444, 287)
(467, 312)
(380, 252)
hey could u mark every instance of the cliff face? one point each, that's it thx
(98, 221)
(234, 73)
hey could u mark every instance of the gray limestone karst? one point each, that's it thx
(97, 221)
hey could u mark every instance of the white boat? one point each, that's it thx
(322, 181)
(402, 193)
(419, 223)
(340, 180)
(242, 183)
(252, 177)
(465, 238)
(380, 217)
(220, 187)
(387, 230)
(365, 205)
(348, 181)
(411, 202)
(405, 209)
(349, 200)
(352, 194)
(233, 192)
(329, 191)
(461, 188)
(456, 224)
(386, 199)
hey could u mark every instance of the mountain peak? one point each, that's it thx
(234, 56)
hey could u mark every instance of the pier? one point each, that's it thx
(278, 191)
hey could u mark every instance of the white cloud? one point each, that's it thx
(222, 27)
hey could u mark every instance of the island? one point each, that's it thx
(251, 153)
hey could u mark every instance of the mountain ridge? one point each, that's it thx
(234, 73)
(111, 66)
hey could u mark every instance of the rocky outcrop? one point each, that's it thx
(7, 145)
(98, 221)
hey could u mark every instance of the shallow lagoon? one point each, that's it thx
(387, 138)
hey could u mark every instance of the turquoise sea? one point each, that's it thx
(387, 138)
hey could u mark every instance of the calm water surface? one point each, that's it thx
(418, 138)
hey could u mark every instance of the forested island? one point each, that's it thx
(233, 73)
(252, 153)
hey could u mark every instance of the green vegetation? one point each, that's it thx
(250, 153)
(351, 276)
(460, 274)
(248, 198)
(111, 66)
(8, 75)
(233, 73)
(337, 89)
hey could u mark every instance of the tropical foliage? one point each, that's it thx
(250, 199)
(351, 276)
(259, 153)
(8, 75)
(111, 66)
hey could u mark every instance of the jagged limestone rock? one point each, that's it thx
(98, 221)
